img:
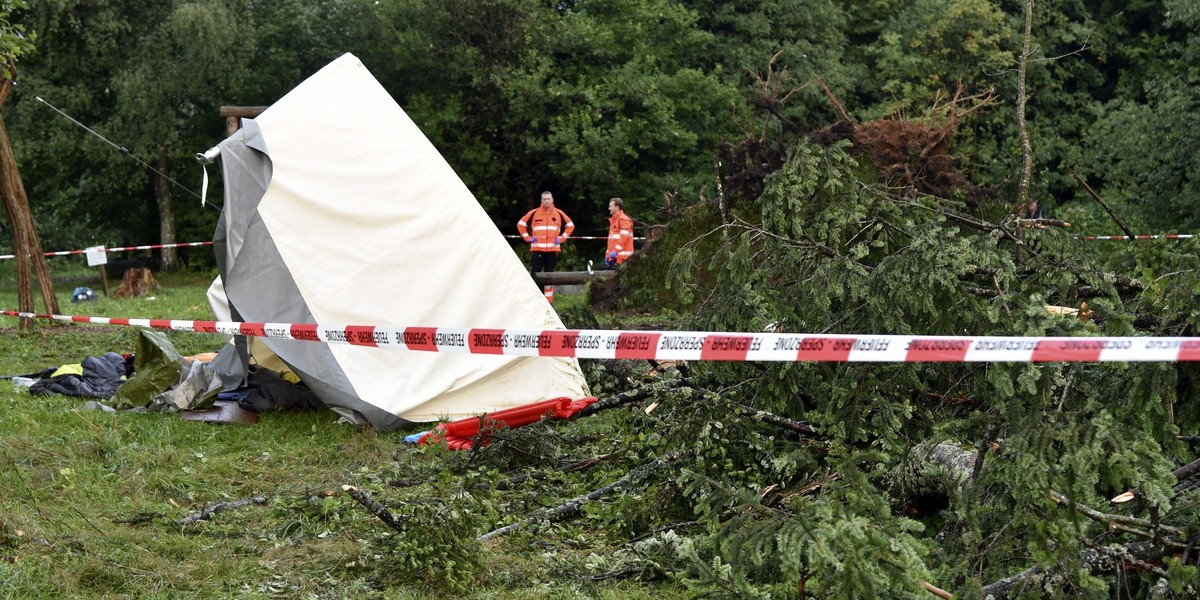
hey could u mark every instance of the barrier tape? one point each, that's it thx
(1172, 236)
(695, 345)
(102, 249)
(575, 237)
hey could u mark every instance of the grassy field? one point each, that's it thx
(92, 502)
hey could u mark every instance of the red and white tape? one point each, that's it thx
(103, 249)
(696, 345)
(576, 237)
(1172, 236)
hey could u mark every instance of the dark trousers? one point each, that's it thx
(542, 262)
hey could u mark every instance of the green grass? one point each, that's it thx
(91, 501)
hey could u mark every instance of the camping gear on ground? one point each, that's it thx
(95, 377)
(338, 210)
(83, 294)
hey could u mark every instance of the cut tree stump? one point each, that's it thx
(137, 282)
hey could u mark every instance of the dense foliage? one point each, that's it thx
(599, 99)
(829, 252)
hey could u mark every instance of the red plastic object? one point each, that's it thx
(461, 434)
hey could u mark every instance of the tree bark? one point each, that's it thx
(166, 213)
(1023, 130)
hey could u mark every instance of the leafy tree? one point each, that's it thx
(595, 100)
(150, 77)
(14, 39)
(146, 77)
(171, 89)
(809, 38)
(1141, 153)
(927, 49)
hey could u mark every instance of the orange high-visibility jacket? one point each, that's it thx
(620, 236)
(545, 226)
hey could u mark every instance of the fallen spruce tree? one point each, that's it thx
(891, 480)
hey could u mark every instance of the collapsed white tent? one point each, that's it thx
(338, 210)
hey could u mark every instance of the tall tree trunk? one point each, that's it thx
(1023, 130)
(166, 213)
(26, 246)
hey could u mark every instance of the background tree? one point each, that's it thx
(150, 77)
(595, 100)
(1142, 151)
(168, 91)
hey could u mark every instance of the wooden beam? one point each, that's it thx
(234, 115)
(248, 112)
(570, 277)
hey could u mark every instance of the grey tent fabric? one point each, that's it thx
(339, 211)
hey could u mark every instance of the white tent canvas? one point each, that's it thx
(338, 210)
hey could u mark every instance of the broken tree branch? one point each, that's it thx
(572, 507)
(936, 591)
(837, 105)
(1041, 223)
(1107, 208)
(213, 509)
(380, 511)
(632, 396)
(1121, 522)
(1095, 560)
(773, 419)
(541, 475)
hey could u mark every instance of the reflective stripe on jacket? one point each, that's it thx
(545, 225)
(620, 236)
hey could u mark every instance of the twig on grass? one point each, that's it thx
(213, 509)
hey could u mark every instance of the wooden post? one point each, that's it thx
(104, 278)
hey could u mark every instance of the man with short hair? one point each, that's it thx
(545, 228)
(620, 234)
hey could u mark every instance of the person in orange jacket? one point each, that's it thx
(545, 228)
(620, 234)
